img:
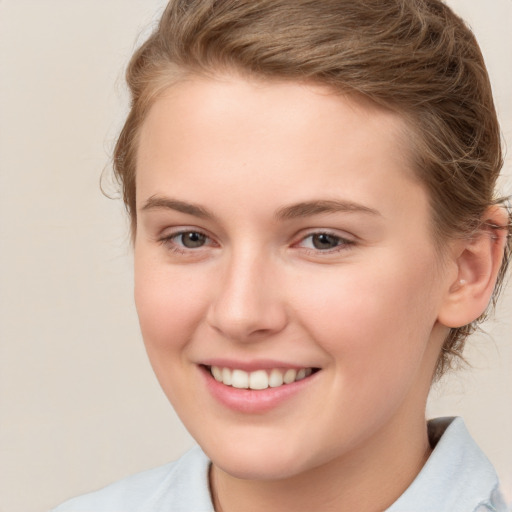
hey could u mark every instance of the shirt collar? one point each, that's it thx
(457, 477)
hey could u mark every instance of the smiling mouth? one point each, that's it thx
(259, 379)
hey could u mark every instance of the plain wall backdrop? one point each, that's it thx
(80, 406)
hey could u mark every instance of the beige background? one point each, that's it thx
(79, 404)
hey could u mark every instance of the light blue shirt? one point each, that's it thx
(457, 477)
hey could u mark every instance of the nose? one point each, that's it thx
(248, 305)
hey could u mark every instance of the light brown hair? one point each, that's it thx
(414, 56)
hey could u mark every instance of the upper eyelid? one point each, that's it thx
(170, 236)
(170, 233)
(343, 241)
(343, 235)
(346, 242)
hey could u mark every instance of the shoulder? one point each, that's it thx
(181, 486)
(457, 477)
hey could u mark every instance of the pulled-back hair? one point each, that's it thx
(413, 56)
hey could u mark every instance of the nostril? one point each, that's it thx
(253, 324)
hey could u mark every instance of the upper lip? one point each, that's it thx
(253, 365)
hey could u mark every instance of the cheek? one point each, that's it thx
(169, 302)
(170, 309)
(374, 317)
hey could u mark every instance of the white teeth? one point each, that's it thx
(217, 373)
(276, 378)
(239, 379)
(289, 376)
(259, 379)
(301, 374)
(226, 376)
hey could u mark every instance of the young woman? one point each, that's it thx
(316, 232)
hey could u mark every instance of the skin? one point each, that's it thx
(370, 312)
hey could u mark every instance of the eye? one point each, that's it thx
(186, 240)
(190, 239)
(325, 242)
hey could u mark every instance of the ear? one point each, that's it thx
(478, 260)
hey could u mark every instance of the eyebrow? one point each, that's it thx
(294, 211)
(309, 208)
(159, 202)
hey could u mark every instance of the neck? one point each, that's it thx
(369, 479)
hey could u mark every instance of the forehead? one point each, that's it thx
(294, 138)
(272, 104)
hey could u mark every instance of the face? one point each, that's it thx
(286, 280)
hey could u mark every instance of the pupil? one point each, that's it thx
(193, 239)
(324, 241)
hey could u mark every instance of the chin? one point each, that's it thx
(262, 460)
(258, 469)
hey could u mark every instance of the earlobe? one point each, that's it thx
(478, 261)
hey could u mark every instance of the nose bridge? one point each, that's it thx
(247, 302)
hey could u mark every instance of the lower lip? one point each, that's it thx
(250, 401)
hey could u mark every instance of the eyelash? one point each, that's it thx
(169, 241)
(343, 243)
